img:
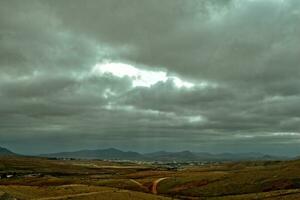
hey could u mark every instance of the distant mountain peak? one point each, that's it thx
(186, 151)
(6, 152)
(111, 148)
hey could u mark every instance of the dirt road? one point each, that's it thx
(155, 183)
(139, 184)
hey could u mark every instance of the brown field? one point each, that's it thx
(43, 179)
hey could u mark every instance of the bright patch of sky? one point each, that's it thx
(195, 119)
(139, 77)
(286, 134)
(279, 134)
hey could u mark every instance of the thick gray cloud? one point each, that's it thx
(241, 56)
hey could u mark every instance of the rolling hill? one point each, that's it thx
(6, 152)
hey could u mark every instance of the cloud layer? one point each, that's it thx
(241, 59)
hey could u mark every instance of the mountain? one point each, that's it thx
(181, 156)
(171, 156)
(105, 154)
(6, 152)
(243, 157)
(157, 154)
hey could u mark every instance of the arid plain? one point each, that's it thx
(50, 179)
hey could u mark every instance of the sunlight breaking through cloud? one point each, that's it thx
(139, 77)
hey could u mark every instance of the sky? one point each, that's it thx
(205, 76)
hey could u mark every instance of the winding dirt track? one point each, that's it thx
(153, 190)
(139, 184)
(155, 183)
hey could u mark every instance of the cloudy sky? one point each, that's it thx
(211, 75)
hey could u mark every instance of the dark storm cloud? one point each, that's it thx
(232, 39)
(242, 56)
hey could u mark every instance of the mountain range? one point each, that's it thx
(182, 156)
(164, 156)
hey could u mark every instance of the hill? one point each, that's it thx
(6, 152)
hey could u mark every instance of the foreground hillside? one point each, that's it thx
(45, 179)
(75, 192)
